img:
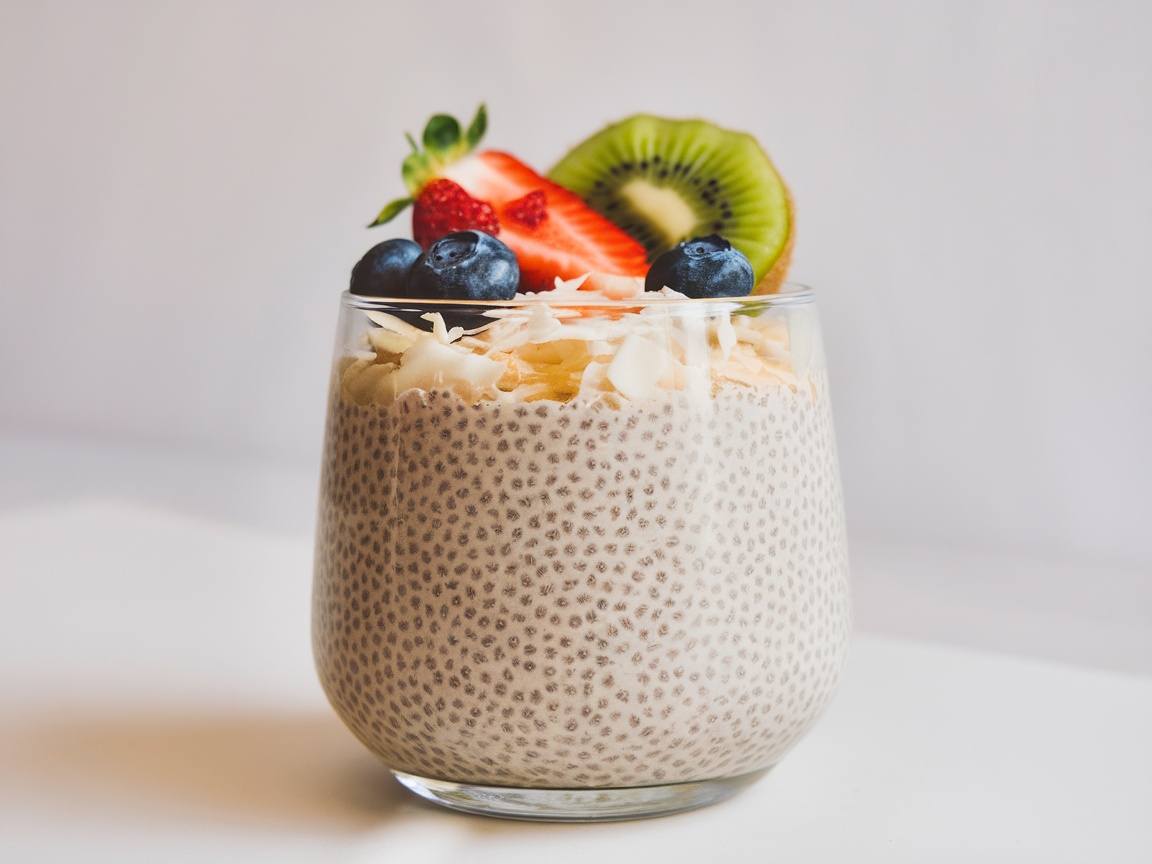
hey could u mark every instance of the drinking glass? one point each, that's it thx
(580, 559)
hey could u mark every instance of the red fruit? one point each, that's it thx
(528, 211)
(553, 232)
(443, 207)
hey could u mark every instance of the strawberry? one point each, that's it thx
(552, 231)
(443, 207)
(528, 211)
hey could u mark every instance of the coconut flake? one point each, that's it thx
(541, 325)
(360, 379)
(430, 363)
(638, 366)
(569, 286)
(616, 287)
(388, 341)
(396, 325)
(725, 334)
(440, 330)
(592, 381)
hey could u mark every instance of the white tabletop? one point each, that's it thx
(157, 702)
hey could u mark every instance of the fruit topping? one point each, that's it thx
(528, 211)
(664, 181)
(465, 265)
(444, 143)
(383, 271)
(443, 207)
(570, 241)
(702, 267)
(552, 231)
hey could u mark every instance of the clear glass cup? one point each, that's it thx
(580, 560)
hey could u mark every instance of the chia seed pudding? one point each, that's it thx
(566, 573)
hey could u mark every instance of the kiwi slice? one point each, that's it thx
(664, 181)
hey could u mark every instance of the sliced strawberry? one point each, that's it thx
(529, 211)
(572, 240)
(552, 231)
(443, 207)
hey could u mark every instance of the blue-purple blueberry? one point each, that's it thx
(702, 267)
(465, 265)
(383, 271)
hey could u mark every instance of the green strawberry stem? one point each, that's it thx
(391, 210)
(444, 144)
(477, 127)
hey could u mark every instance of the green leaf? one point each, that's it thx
(391, 210)
(477, 127)
(441, 134)
(412, 142)
(415, 172)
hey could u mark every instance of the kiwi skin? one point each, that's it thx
(775, 277)
(723, 180)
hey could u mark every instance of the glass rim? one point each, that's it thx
(789, 294)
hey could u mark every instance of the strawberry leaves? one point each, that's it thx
(442, 134)
(444, 143)
(391, 210)
(477, 127)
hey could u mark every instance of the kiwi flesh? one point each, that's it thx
(665, 181)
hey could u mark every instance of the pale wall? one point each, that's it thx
(183, 188)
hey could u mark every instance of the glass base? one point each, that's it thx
(578, 805)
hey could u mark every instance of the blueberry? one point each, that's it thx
(466, 265)
(702, 267)
(383, 271)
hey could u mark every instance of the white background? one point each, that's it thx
(183, 189)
